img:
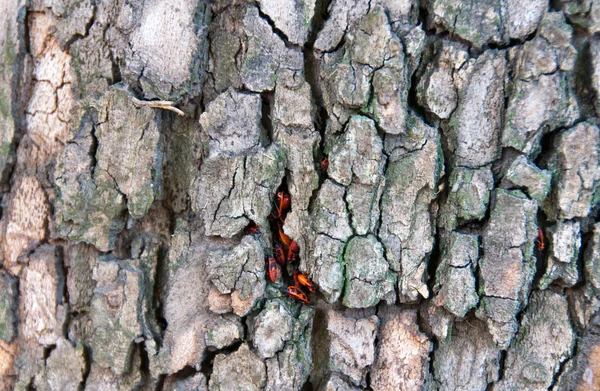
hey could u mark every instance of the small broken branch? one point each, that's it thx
(157, 104)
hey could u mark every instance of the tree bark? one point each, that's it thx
(443, 164)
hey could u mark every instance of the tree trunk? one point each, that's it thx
(442, 160)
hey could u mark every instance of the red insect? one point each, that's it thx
(540, 239)
(324, 164)
(297, 294)
(273, 270)
(252, 228)
(293, 251)
(292, 246)
(283, 203)
(279, 253)
(303, 280)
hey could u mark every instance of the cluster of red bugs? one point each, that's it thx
(285, 250)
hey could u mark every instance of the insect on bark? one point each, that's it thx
(273, 270)
(297, 294)
(540, 239)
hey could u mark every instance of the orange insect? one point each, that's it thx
(324, 164)
(286, 240)
(540, 239)
(302, 279)
(273, 270)
(284, 203)
(292, 246)
(297, 294)
(279, 254)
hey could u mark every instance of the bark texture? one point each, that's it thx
(443, 163)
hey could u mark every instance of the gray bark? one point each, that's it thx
(452, 236)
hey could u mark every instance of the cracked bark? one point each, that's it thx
(453, 236)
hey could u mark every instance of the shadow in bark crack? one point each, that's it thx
(207, 361)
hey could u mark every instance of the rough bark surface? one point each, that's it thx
(442, 159)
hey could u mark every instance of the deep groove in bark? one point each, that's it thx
(502, 366)
(435, 259)
(208, 361)
(584, 92)
(87, 354)
(307, 386)
(144, 365)
(274, 28)
(160, 383)
(88, 26)
(265, 119)
(21, 91)
(312, 75)
(160, 280)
